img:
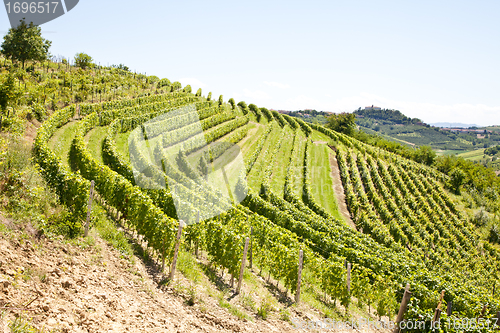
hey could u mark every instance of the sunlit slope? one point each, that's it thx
(407, 228)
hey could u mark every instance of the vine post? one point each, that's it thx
(299, 276)
(483, 311)
(348, 277)
(402, 307)
(437, 313)
(251, 246)
(197, 238)
(163, 256)
(89, 209)
(242, 269)
(176, 252)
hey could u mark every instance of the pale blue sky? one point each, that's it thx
(436, 60)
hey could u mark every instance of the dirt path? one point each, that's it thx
(251, 132)
(338, 189)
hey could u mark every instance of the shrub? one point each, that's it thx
(481, 217)
(83, 60)
(264, 308)
(67, 224)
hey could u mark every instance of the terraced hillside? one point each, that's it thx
(407, 228)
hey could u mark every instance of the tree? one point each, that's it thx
(343, 122)
(25, 43)
(221, 100)
(457, 178)
(425, 155)
(198, 92)
(232, 102)
(83, 60)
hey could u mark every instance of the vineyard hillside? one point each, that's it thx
(367, 222)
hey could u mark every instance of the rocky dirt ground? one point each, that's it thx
(60, 286)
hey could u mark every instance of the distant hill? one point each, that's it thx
(394, 125)
(453, 125)
(388, 116)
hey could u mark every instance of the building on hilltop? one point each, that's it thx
(372, 108)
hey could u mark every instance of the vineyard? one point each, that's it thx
(408, 229)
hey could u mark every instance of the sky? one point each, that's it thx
(435, 60)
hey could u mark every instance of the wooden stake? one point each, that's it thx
(243, 261)
(89, 209)
(176, 252)
(437, 314)
(299, 277)
(197, 240)
(348, 277)
(483, 311)
(449, 308)
(163, 256)
(402, 307)
(251, 246)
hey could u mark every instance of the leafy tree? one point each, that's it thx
(198, 92)
(209, 97)
(187, 88)
(232, 102)
(457, 178)
(425, 155)
(25, 43)
(343, 122)
(83, 60)
(221, 100)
